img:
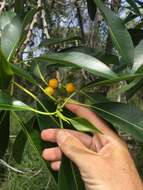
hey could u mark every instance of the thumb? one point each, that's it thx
(73, 148)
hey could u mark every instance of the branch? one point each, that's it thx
(45, 26)
(80, 21)
(34, 21)
(29, 34)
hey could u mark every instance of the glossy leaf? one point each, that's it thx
(69, 176)
(5, 19)
(83, 125)
(9, 103)
(123, 116)
(119, 34)
(10, 36)
(134, 6)
(18, 146)
(91, 9)
(138, 59)
(4, 131)
(80, 60)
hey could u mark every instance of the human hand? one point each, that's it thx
(103, 160)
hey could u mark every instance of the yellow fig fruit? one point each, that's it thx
(53, 83)
(70, 87)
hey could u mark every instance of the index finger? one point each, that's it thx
(93, 118)
(51, 136)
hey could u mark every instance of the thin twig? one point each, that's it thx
(2, 162)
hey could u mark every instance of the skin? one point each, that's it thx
(103, 160)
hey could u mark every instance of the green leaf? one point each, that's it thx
(4, 65)
(91, 98)
(4, 131)
(5, 72)
(69, 176)
(19, 71)
(11, 104)
(95, 52)
(127, 77)
(18, 146)
(109, 59)
(119, 34)
(132, 91)
(123, 116)
(6, 18)
(10, 37)
(134, 6)
(83, 125)
(91, 9)
(80, 60)
(138, 59)
(33, 136)
(46, 122)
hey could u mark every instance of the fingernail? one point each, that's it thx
(62, 136)
(42, 134)
(44, 153)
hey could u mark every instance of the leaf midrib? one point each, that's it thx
(118, 117)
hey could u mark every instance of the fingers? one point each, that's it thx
(73, 148)
(76, 145)
(91, 117)
(52, 154)
(51, 136)
(56, 165)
